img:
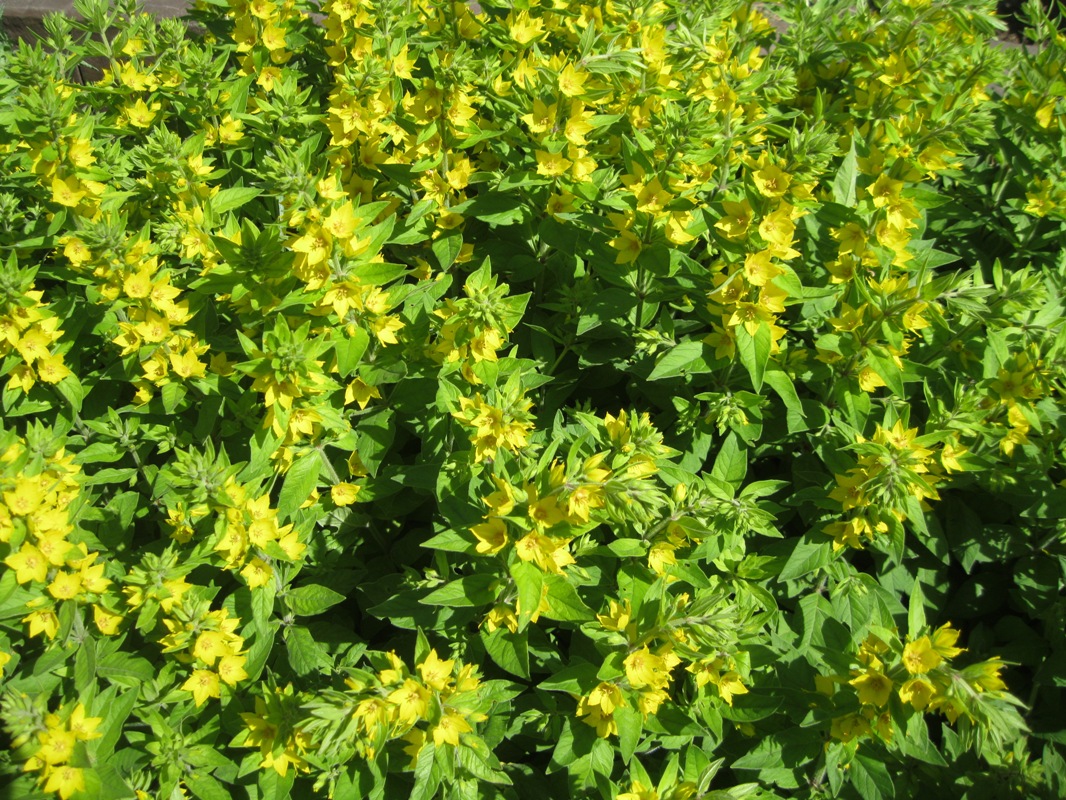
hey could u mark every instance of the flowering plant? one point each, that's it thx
(621, 398)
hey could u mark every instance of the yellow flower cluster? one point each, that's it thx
(921, 675)
(31, 329)
(752, 294)
(886, 476)
(281, 743)
(436, 701)
(1018, 385)
(57, 162)
(251, 538)
(35, 522)
(494, 427)
(207, 641)
(54, 749)
(650, 658)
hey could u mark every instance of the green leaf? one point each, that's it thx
(684, 358)
(844, 182)
(530, 582)
(125, 669)
(427, 777)
(312, 599)
(916, 610)
(72, 391)
(230, 199)
(447, 248)
(564, 603)
(630, 725)
(870, 778)
(275, 787)
(306, 655)
(885, 366)
(578, 678)
(374, 438)
(452, 542)
(114, 714)
(807, 557)
(509, 650)
(625, 548)
(470, 590)
(731, 463)
(781, 383)
(85, 666)
(300, 481)
(350, 349)
(205, 787)
(754, 352)
(495, 208)
(604, 307)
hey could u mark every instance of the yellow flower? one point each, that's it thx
(617, 617)
(491, 536)
(849, 727)
(29, 564)
(523, 29)
(874, 687)
(546, 552)
(5, 657)
(415, 738)
(552, 165)
(628, 245)
(65, 585)
(106, 621)
(918, 692)
(650, 699)
(359, 392)
(644, 668)
(25, 498)
(83, 727)
(203, 683)
(730, 685)
(759, 268)
(734, 225)
(583, 499)
(257, 573)
(985, 675)
(436, 672)
(638, 791)
(501, 616)
(65, 780)
(185, 365)
(919, 656)
(231, 669)
(210, 646)
(342, 221)
(411, 701)
(141, 115)
(595, 717)
(315, 244)
(449, 728)
(67, 191)
(43, 621)
(771, 180)
(572, 81)
(344, 494)
(944, 639)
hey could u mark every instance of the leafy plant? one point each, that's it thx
(632, 400)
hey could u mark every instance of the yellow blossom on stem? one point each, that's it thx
(435, 671)
(919, 656)
(203, 684)
(874, 687)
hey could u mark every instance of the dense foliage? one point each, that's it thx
(636, 400)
